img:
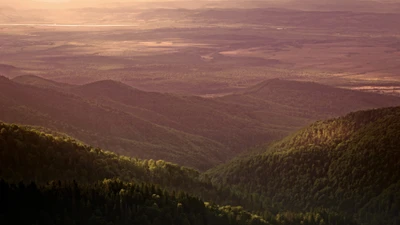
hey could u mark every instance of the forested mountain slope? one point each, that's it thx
(350, 164)
(111, 202)
(29, 154)
(152, 196)
(33, 154)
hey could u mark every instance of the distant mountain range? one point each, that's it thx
(193, 131)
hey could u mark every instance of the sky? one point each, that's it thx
(20, 4)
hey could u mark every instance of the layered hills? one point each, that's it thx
(189, 130)
(349, 164)
(102, 126)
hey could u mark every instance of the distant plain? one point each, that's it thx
(208, 52)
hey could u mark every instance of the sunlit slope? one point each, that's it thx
(349, 164)
(103, 126)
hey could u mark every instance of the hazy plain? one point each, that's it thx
(203, 51)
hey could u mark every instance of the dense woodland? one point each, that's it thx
(57, 163)
(350, 165)
(111, 202)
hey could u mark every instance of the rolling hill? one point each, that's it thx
(62, 176)
(189, 130)
(349, 164)
(103, 126)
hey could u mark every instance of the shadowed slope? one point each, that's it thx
(103, 126)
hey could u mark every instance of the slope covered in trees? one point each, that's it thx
(111, 202)
(153, 194)
(33, 154)
(28, 154)
(350, 164)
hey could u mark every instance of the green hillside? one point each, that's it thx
(154, 190)
(350, 164)
(28, 154)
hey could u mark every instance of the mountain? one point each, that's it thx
(189, 130)
(349, 164)
(103, 126)
(150, 191)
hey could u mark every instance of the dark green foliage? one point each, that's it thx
(115, 202)
(110, 202)
(27, 154)
(350, 165)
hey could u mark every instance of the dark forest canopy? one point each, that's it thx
(111, 202)
(350, 164)
(29, 154)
